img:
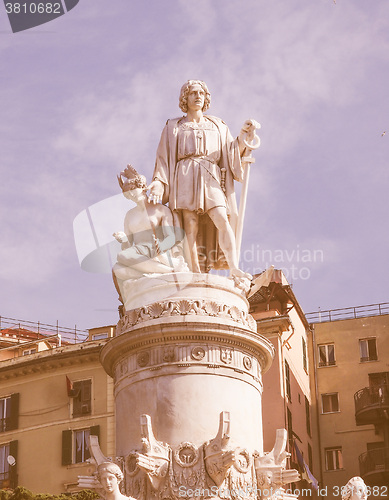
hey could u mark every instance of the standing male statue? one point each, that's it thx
(196, 165)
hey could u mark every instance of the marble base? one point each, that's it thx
(187, 353)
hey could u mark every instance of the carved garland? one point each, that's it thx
(184, 307)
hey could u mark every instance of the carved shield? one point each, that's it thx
(226, 355)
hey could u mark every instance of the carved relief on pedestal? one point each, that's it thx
(143, 359)
(271, 469)
(198, 353)
(122, 369)
(187, 470)
(136, 479)
(218, 458)
(155, 456)
(226, 355)
(247, 363)
(211, 355)
(183, 307)
(168, 354)
(212, 470)
(186, 455)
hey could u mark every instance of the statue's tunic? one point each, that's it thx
(197, 163)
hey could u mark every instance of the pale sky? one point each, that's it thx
(89, 92)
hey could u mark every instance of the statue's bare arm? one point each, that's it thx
(124, 237)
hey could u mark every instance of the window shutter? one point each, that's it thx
(95, 430)
(86, 392)
(82, 403)
(13, 469)
(67, 447)
(14, 417)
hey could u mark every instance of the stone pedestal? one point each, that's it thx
(186, 352)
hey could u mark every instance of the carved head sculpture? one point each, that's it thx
(132, 179)
(185, 89)
(355, 489)
(109, 475)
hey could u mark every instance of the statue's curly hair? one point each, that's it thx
(112, 468)
(185, 89)
(132, 180)
(138, 182)
(349, 489)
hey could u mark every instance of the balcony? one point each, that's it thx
(8, 479)
(372, 405)
(374, 467)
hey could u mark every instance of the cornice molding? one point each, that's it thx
(50, 360)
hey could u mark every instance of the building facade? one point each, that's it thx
(328, 386)
(349, 363)
(286, 391)
(53, 395)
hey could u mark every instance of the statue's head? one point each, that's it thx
(185, 89)
(132, 179)
(109, 469)
(355, 489)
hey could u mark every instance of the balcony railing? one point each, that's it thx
(8, 479)
(371, 404)
(348, 313)
(375, 461)
(16, 328)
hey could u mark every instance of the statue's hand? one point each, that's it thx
(247, 136)
(156, 191)
(248, 129)
(120, 236)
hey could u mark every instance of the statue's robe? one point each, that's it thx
(198, 163)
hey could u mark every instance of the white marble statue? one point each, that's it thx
(109, 475)
(196, 165)
(148, 235)
(355, 489)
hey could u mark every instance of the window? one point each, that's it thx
(5, 413)
(26, 352)
(378, 379)
(379, 387)
(8, 467)
(327, 355)
(310, 458)
(290, 428)
(308, 416)
(100, 336)
(287, 381)
(82, 401)
(75, 444)
(81, 446)
(334, 459)
(368, 350)
(9, 413)
(330, 403)
(305, 364)
(4, 465)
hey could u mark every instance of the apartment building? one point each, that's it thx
(349, 364)
(53, 395)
